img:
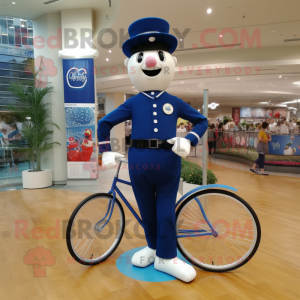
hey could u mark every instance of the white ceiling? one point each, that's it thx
(276, 21)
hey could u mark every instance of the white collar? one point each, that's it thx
(151, 96)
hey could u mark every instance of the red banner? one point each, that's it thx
(236, 115)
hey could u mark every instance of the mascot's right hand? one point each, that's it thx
(109, 160)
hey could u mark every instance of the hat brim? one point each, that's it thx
(161, 37)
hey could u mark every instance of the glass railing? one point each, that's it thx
(284, 149)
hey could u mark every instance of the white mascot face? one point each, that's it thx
(151, 70)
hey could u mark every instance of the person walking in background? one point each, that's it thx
(14, 134)
(262, 149)
(258, 128)
(219, 131)
(128, 129)
(181, 128)
(211, 138)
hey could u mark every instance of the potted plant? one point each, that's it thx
(31, 109)
(191, 177)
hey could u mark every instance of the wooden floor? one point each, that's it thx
(273, 273)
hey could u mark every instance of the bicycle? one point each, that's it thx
(216, 230)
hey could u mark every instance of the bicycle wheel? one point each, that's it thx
(90, 238)
(234, 221)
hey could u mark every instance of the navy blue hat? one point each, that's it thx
(149, 34)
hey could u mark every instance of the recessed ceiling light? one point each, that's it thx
(182, 82)
(286, 78)
(10, 27)
(280, 76)
(107, 59)
(209, 10)
(220, 35)
(109, 51)
(180, 40)
(297, 82)
(238, 78)
(13, 2)
(270, 83)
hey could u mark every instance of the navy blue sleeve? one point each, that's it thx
(199, 122)
(120, 114)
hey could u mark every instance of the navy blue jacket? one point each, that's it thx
(149, 121)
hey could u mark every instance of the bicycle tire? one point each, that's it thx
(230, 194)
(69, 230)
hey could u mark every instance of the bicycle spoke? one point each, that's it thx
(236, 228)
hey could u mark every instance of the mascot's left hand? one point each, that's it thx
(181, 146)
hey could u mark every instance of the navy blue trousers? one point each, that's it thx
(155, 175)
(260, 161)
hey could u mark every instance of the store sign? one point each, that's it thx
(79, 83)
(253, 112)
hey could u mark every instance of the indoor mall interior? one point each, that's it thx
(149, 149)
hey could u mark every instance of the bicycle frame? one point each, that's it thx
(185, 233)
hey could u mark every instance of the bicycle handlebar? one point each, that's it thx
(122, 160)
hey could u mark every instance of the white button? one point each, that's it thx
(155, 121)
(152, 93)
(154, 105)
(155, 129)
(154, 113)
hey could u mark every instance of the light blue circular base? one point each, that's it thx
(149, 274)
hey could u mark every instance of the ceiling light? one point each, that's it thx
(213, 105)
(182, 82)
(107, 59)
(264, 102)
(180, 40)
(209, 10)
(13, 2)
(238, 78)
(220, 35)
(10, 27)
(109, 51)
(270, 83)
(273, 30)
(280, 76)
(297, 82)
(294, 101)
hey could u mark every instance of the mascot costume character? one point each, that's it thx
(155, 152)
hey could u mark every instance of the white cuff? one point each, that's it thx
(107, 142)
(195, 134)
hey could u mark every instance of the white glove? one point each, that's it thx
(181, 146)
(109, 160)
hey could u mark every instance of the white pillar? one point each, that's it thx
(112, 101)
(46, 27)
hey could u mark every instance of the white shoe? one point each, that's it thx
(144, 257)
(176, 268)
